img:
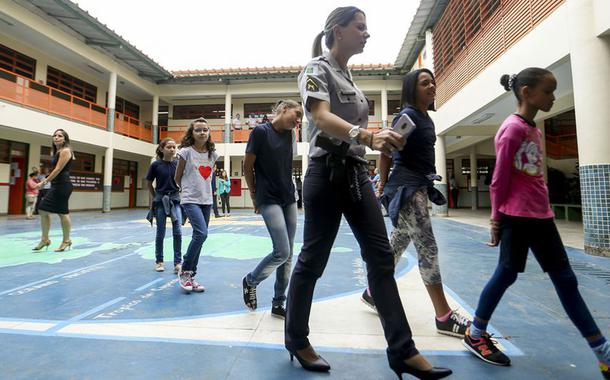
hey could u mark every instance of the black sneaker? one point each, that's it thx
(278, 311)
(368, 300)
(605, 370)
(249, 295)
(455, 325)
(485, 349)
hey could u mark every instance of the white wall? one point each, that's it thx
(484, 88)
(5, 177)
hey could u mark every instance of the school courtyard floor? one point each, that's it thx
(100, 311)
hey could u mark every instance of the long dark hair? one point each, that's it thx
(409, 88)
(161, 146)
(529, 77)
(189, 140)
(66, 140)
(341, 16)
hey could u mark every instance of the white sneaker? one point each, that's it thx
(185, 280)
(159, 267)
(197, 287)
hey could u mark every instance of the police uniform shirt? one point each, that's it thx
(323, 79)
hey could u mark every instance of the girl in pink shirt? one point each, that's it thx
(521, 219)
(31, 193)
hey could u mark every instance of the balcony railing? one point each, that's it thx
(131, 127)
(217, 131)
(27, 92)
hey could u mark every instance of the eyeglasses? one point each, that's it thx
(201, 130)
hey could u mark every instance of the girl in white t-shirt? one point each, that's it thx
(197, 157)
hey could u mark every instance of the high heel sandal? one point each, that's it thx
(430, 374)
(64, 244)
(318, 365)
(42, 244)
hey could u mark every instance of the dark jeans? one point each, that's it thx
(566, 286)
(224, 199)
(325, 203)
(215, 204)
(199, 215)
(176, 232)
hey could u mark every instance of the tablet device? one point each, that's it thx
(404, 125)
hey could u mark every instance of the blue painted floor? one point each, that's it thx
(108, 278)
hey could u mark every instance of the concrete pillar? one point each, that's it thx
(590, 61)
(304, 126)
(384, 108)
(474, 178)
(41, 72)
(106, 198)
(34, 157)
(440, 161)
(304, 162)
(155, 119)
(227, 159)
(227, 138)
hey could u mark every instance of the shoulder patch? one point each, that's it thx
(311, 70)
(311, 85)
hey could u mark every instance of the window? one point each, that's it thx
(207, 111)
(163, 116)
(123, 167)
(16, 62)
(128, 108)
(72, 85)
(371, 107)
(258, 109)
(393, 107)
(5, 151)
(46, 155)
(83, 162)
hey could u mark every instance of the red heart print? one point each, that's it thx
(205, 171)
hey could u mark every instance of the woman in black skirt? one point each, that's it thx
(56, 200)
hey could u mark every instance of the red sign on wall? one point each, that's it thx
(235, 187)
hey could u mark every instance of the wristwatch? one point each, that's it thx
(353, 134)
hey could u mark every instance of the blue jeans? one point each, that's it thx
(176, 230)
(281, 223)
(199, 215)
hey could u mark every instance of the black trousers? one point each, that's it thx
(325, 203)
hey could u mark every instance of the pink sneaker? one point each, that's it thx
(197, 287)
(185, 279)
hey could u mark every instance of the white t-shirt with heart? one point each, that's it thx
(196, 181)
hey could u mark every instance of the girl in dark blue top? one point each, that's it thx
(406, 195)
(268, 172)
(165, 200)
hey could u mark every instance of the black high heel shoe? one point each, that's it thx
(318, 365)
(430, 374)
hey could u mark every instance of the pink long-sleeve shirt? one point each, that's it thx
(517, 187)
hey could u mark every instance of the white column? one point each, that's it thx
(474, 178)
(440, 161)
(304, 126)
(106, 197)
(384, 108)
(590, 64)
(155, 119)
(41, 72)
(227, 138)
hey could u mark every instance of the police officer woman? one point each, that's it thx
(337, 184)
